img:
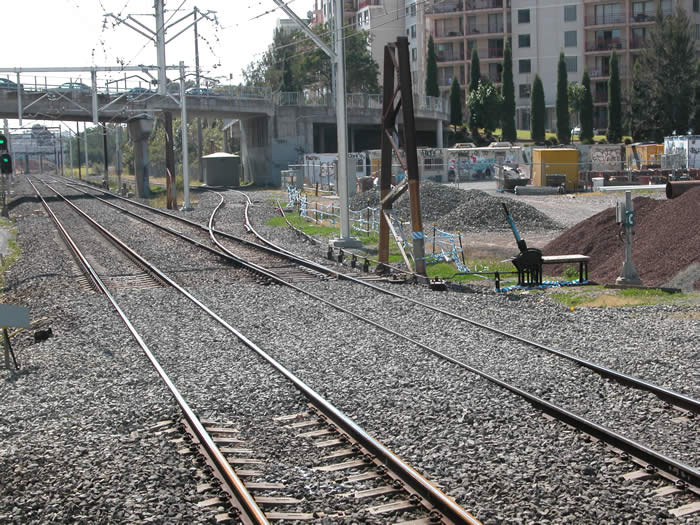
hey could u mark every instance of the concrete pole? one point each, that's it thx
(160, 47)
(199, 120)
(185, 147)
(341, 115)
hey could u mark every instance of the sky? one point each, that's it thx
(62, 33)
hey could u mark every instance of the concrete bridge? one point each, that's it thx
(274, 129)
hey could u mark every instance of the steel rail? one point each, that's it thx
(250, 513)
(422, 486)
(674, 398)
(674, 469)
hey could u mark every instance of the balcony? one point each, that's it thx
(600, 73)
(605, 45)
(485, 29)
(641, 18)
(452, 33)
(450, 6)
(473, 5)
(600, 98)
(637, 42)
(604, 20)
(450, 57)
(495, 52)
(364, 3)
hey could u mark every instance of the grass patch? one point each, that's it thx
(601, 297)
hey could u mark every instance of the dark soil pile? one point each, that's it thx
(666, 240)
(454, 209)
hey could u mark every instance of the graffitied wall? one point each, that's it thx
(606, 157)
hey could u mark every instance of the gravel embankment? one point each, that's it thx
(494, 453)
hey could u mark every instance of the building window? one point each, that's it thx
(570, 39)
(524, 66)
(524, 90)
(697, 31)
(495, 72)
(696, 5)
(413, 31)
(414, 54)
(523, 40)
(413, 9)
(571, 64)
(608, 14)
(643, 11)
(408, 32)
(470, 47)
(569, 13)
(523, 16)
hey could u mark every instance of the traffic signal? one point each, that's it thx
(5, 164)
(5, 159)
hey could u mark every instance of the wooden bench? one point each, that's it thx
(582, 261)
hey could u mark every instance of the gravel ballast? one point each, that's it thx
(500, 458)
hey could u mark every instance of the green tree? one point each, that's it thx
(537, 110)
(474, 71)
(586, 135)
(431, 72)
(562, 103)
(665, 61)
(455, 103)
(509, 131)
(614, 134)
(695, 118)
(575, 95)
(485, 104)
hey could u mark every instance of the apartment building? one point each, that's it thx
(383, 19)
(414, 14)
(585, 30)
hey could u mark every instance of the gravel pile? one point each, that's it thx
(666, 241)
(493, 452)
(454, 209)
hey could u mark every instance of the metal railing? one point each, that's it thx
(450, 57)
(354, 100)
(485, 29)
(605, 45)
(601, 20)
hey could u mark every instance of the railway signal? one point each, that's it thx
(5, 159)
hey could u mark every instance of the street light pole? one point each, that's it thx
(160, 46)
(199, 120)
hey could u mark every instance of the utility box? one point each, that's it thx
(553, 167)
(221, 169)
(643, 154)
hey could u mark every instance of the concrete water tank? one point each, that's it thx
(221, 169)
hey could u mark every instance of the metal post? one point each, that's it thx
(170, 187)
(93, 75)
(77, 141)
(70, 152)
(185, 148)
(629, 273)
(60, 141)
(385, 173)
(118, 161)
(411, 154)
(19, 101)
(160, 46)
(105, 182)
(87, 168)
(198, 79)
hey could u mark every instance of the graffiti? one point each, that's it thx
(605, 158)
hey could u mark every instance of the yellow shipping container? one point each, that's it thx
(638, 154)
(552, 167)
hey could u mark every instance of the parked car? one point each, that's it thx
(200, 91)
(138, 92)
(6, 83)
(71, 87)
(576, 131)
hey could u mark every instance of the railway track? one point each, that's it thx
(370, 461)
(650, 460)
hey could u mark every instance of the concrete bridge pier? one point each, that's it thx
(139, 131)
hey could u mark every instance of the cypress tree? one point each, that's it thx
(695, 118)
(508, 126)
(586, 134)
(537, 110)
(614, 102)
(431, 81)
(562, 104)
(455, 103)
(475, 71)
